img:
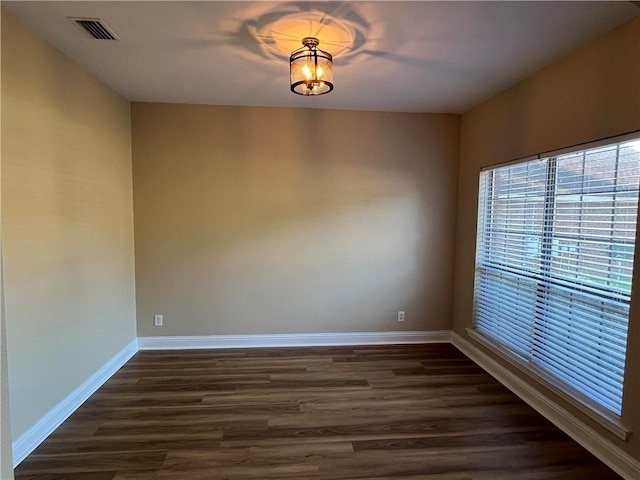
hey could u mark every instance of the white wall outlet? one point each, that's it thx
(400, 316)
(157, 320)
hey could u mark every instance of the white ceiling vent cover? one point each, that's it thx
(95, 27)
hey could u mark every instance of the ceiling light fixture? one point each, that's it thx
(311, 69)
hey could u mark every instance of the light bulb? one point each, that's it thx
(306, 71)
(319, 72)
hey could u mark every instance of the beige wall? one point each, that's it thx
(6, 460)
(67, 223)
(6, 457)
(590, 94)
(267, 220)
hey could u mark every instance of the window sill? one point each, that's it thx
(605, 419)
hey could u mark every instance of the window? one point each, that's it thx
(554, 265)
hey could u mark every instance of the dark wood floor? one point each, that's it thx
(380, 412)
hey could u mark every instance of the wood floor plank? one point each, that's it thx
(386, 412)
(359, 437)
(71, 476)
(437, 476)
(461, 441)
(562, 472)
(91, 463)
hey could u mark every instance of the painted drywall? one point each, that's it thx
(6, 458)
(590, 94)
(6, 450)
(67, 223)
(274, 220)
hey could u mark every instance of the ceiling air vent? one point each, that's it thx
(95, 27)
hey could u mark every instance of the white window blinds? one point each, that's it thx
(554, 264)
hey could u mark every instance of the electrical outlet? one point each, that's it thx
(157, 320)
(400, 316)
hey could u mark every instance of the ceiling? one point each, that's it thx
(389, 56)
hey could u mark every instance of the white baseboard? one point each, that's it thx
(293, 340)
(29, 440)
(620, 461)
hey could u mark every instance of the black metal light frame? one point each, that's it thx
(311, 86)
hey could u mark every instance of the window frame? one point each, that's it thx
(592, 408)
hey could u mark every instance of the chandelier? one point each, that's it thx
(311, 69)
